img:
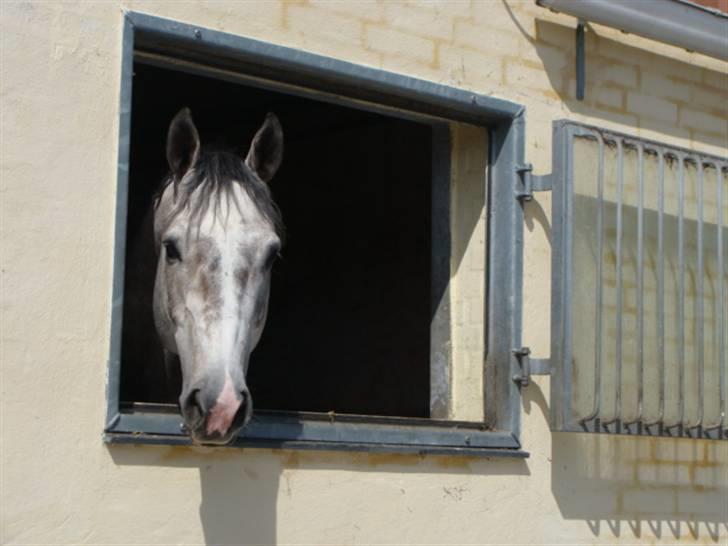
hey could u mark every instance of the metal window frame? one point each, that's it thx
(562, 419)
(200, 50)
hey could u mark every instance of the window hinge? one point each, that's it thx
(529, 182)
(530, 366)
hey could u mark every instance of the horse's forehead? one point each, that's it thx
(231, 217)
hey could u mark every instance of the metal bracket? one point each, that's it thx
(580, 61)
(530, 366)
(531, 182)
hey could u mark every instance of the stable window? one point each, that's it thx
(383, 190)
(348, 327)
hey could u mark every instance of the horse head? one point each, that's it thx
(217, 232)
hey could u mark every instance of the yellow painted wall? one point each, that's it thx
(59, 86)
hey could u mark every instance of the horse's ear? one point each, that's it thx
(266, 150)
(183, 143)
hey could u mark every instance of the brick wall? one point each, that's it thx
(59, 69)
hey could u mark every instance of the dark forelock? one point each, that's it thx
(214, 174)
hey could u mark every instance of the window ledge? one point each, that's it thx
(288, 430)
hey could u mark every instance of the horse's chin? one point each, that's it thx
(202, 439)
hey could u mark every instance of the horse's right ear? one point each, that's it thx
(183, 143)
(266, 150)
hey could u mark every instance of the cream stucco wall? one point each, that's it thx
(59, 86)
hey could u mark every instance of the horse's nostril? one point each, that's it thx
(245, 411)
(193, 408)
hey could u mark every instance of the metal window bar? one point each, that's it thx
(699, 307)
(615, 419)
(719, 426)
(660, 291)
(640, 288)
(626, 418)
(681, 297)
(598, 285)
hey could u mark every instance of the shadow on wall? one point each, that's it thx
(533, 213)
(237, 503)
(240, 490)
(629, 486)
(629, 85)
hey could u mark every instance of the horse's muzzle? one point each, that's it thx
(217, 420)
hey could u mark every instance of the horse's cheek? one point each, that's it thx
(164, 319)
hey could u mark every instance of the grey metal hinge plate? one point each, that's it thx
(530, 366)
(529, 182)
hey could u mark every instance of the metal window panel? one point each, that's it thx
(190, 48)
(638, 306)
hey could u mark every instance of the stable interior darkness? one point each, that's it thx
(348, 326)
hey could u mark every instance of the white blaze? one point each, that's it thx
(223, 412)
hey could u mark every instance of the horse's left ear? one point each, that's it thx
(266, 150)
(183, 143)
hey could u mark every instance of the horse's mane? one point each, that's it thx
(214, 174)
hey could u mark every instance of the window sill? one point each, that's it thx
(160, 425)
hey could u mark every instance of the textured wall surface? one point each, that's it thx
(59, 93)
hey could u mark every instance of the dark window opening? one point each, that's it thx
(348, 326)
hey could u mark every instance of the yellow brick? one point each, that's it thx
(553, 58)
(453, 8)
(501, 15)
(367, 10)
(554, 34)
(650, 107)
(719, 80)
(525, 76)
(649, 501)
(251, 18)
(473, 35)
(677, 450)
(673, 474)
(400, 44)
(668, 133)
(703, 122)
(324, 24)
(711, 476)
(616, 120)
(661, 86)
(710, 99)
(706, 503)
(679, 71)
(421, 22)
(612, 97)
(616, 73)
(612, 49)
(709, 143)
(466, 66)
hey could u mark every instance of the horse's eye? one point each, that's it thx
(171, 251)
(271, 257)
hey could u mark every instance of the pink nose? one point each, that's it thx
(222, 414)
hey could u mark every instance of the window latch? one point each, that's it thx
(529, 182)
(530, 366)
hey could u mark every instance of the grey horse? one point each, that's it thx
(217, 233)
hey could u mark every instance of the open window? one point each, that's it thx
(348, 327)
(395, 306)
